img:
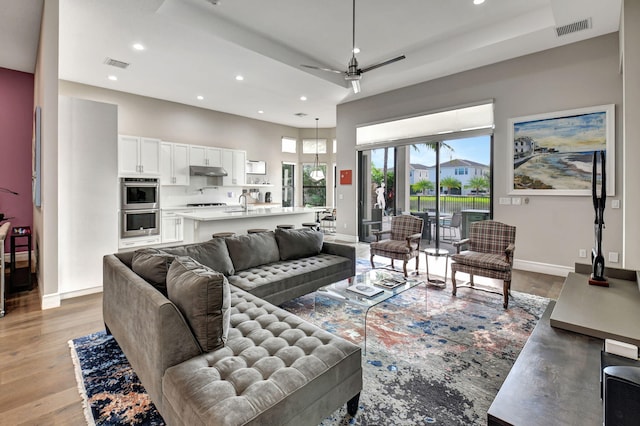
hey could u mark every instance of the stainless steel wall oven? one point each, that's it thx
(140, 207)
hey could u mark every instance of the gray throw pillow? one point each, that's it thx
(251, 250)
(212, 253)
(152, 265)
(203, 296)
(298, 243)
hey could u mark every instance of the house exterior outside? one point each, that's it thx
(418, 172)
(463, 170)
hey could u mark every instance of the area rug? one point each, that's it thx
(431, 358)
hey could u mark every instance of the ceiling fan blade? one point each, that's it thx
(322, 69)
(381, 64)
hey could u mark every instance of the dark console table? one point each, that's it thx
(20, 278)
(554, 381)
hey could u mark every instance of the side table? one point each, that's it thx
(15, 283)
(433, 252)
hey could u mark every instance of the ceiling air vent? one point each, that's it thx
(301, 114)
(585, 24)
(116, 63)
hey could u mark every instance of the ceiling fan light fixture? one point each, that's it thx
(316, 173)
(355, 84)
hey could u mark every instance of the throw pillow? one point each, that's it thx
(152, 265)
(298, 243)
(251, 250)
(212, 253)
(203, 297)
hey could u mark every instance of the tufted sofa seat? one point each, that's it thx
(274, 280)
(272, 371)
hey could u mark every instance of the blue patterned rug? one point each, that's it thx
(431, 358)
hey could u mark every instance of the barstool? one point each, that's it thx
(312, 225)
(223, 234)
(285, 226)
(256, 230)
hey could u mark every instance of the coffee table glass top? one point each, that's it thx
(376, 279)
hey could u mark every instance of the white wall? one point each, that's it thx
(45, 219)
(550, 229)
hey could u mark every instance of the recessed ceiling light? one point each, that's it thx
(356, 50)
(200, 97)
(138, 46)
(113, 78)
(239, 77)
(478, 1)
(303, 98)
(260, 111)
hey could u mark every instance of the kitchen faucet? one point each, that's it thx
(245, 201)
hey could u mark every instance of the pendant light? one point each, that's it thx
(316, 173)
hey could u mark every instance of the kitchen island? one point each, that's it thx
(200, 225)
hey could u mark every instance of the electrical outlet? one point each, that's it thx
(613, 257)
(582, 253)
(505, 200)
(516, 201)
(615, 204)
(345, 226)
(340, 196)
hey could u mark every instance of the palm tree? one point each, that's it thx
(450, 183)
(478, 183)
(423, 185)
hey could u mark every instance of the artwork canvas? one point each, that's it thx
(551, 154)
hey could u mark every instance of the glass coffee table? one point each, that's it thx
(366, 290)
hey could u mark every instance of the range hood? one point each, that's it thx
(207, 171)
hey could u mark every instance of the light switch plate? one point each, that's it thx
(615, 204)
(516, 201)
(505, 200)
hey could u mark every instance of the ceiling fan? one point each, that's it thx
(353, 73)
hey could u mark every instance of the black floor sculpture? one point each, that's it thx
(599, 202)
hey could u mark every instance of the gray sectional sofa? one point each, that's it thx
(199, 326)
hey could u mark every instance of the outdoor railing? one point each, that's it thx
(449, 203)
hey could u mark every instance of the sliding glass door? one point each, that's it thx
(447, 183)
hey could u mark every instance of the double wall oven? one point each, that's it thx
(139, 207)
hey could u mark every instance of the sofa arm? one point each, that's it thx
(341, 250)
(151, 331)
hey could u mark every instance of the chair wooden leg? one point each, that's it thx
(471, 280)
(372, 265)
(404, 268)
(453, 283)
(417, 263)
(392, 266)
(505, 289)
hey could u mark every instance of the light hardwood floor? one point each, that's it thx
(37, 381)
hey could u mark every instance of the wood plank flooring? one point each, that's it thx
(37, 379)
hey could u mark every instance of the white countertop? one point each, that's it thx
(224, 214)
(216, 208)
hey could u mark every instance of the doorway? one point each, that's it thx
(288, 184)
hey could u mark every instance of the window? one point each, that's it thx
(461, 171)
(314, 193)
(289, 145)
(335, 146)
(309, 146)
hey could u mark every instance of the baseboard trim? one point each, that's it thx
(542, 268)
(20, 256)
(78, 293)
(50, 301)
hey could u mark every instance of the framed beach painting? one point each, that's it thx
(552, 153)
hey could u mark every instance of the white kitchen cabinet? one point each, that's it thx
(172, 227)
(138, 156)
(130, 243)
(174, 164)
(234, 162)
(204, 156)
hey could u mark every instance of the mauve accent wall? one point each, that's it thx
(16, 133)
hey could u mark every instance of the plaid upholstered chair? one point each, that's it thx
(491, 245)
(404, 242)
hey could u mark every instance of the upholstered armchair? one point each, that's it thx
(404, 241)
(490, 254)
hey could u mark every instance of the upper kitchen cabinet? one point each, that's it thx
(138, 156)
(234, 163)
(204, 156)
(174, 164)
